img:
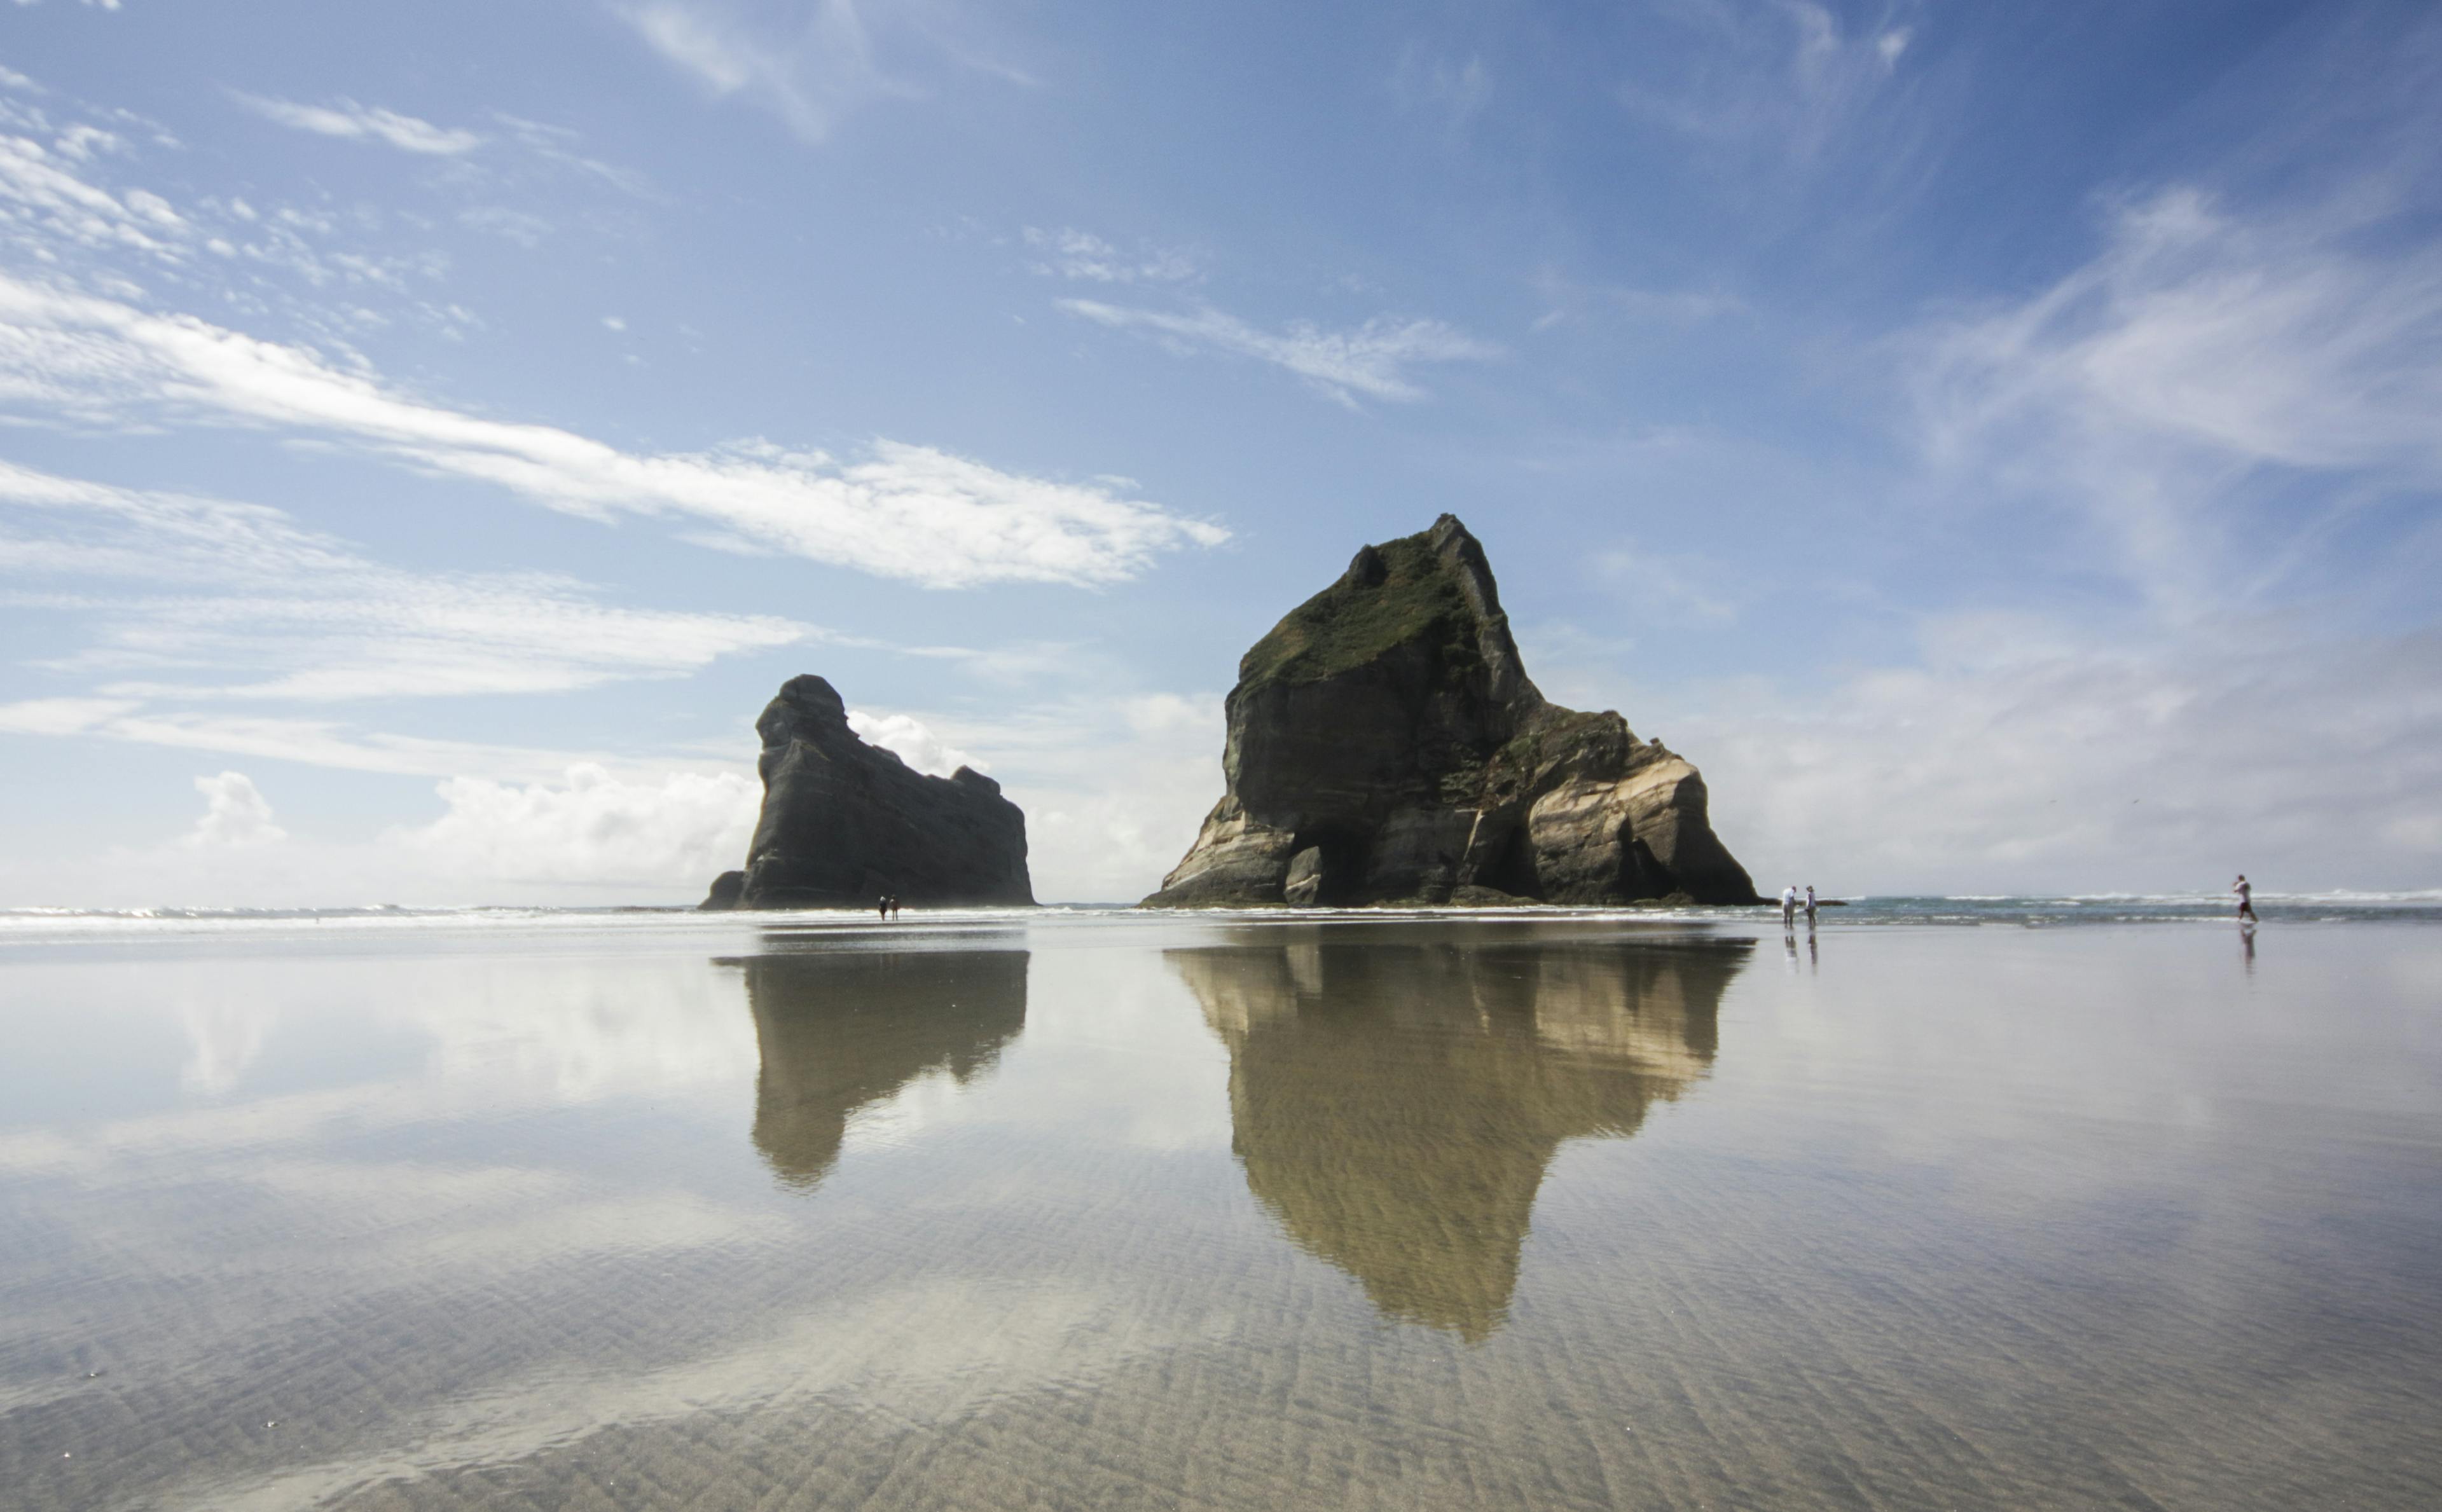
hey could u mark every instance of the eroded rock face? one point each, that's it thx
(1385, 744)
(844, 822)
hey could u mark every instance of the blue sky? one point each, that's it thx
(1997, 442)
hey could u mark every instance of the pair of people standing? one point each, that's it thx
(887, 906)
(1789, 906)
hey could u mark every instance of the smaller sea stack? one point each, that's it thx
(844, 822)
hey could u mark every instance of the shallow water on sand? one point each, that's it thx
(1197, 1212)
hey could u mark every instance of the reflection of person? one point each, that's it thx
(2246, 898)
(1789, 907)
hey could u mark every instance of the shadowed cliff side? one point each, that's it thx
(1396, 1093)
(841, 1029)
(1385, 744)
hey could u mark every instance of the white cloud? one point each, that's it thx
(828, 64)
(1071, 253)
(42, 203)
(309, 742)
(1371, 361)
(61, 716)
(811, 80)
(236, 817)
(2020, 757)
(2201, 349)
(900, 511)
(296, 616)
(356, 122)
(912, 740)
(674, 831)
(612, 322)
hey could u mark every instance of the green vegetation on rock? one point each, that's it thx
(1348, 625)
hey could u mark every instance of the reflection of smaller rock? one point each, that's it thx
(841, 1029)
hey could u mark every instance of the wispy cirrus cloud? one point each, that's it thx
(341, 745)
(77, 349)
(351, 121)
(1786, 77)
(2202, 352)
(1071, 253)
(1373, 360)
(1567, 300)
(913, 512)
(243, 604)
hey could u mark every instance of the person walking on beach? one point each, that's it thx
(2246, 898)
(1809, 906)
(1789, 908)
(882, 905)
(893, 908)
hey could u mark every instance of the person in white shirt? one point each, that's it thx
(1789, 906)
(2246, 898)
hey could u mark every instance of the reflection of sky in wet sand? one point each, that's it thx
(1964, 1218)
(1398, 1092)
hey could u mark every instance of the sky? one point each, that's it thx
(2000, 444)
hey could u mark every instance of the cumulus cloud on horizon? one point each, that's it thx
(590, 828)
(236, 815)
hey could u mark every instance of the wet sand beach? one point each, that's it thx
(1208, 1211)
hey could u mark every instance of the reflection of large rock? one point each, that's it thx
(1396, 1093)
(1385, 743)
(839, 1029)
(845, 821)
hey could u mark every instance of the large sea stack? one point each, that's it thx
(844, 822)
(1385, 745)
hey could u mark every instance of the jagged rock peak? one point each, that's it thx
(1385, 743)
(844, 822)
